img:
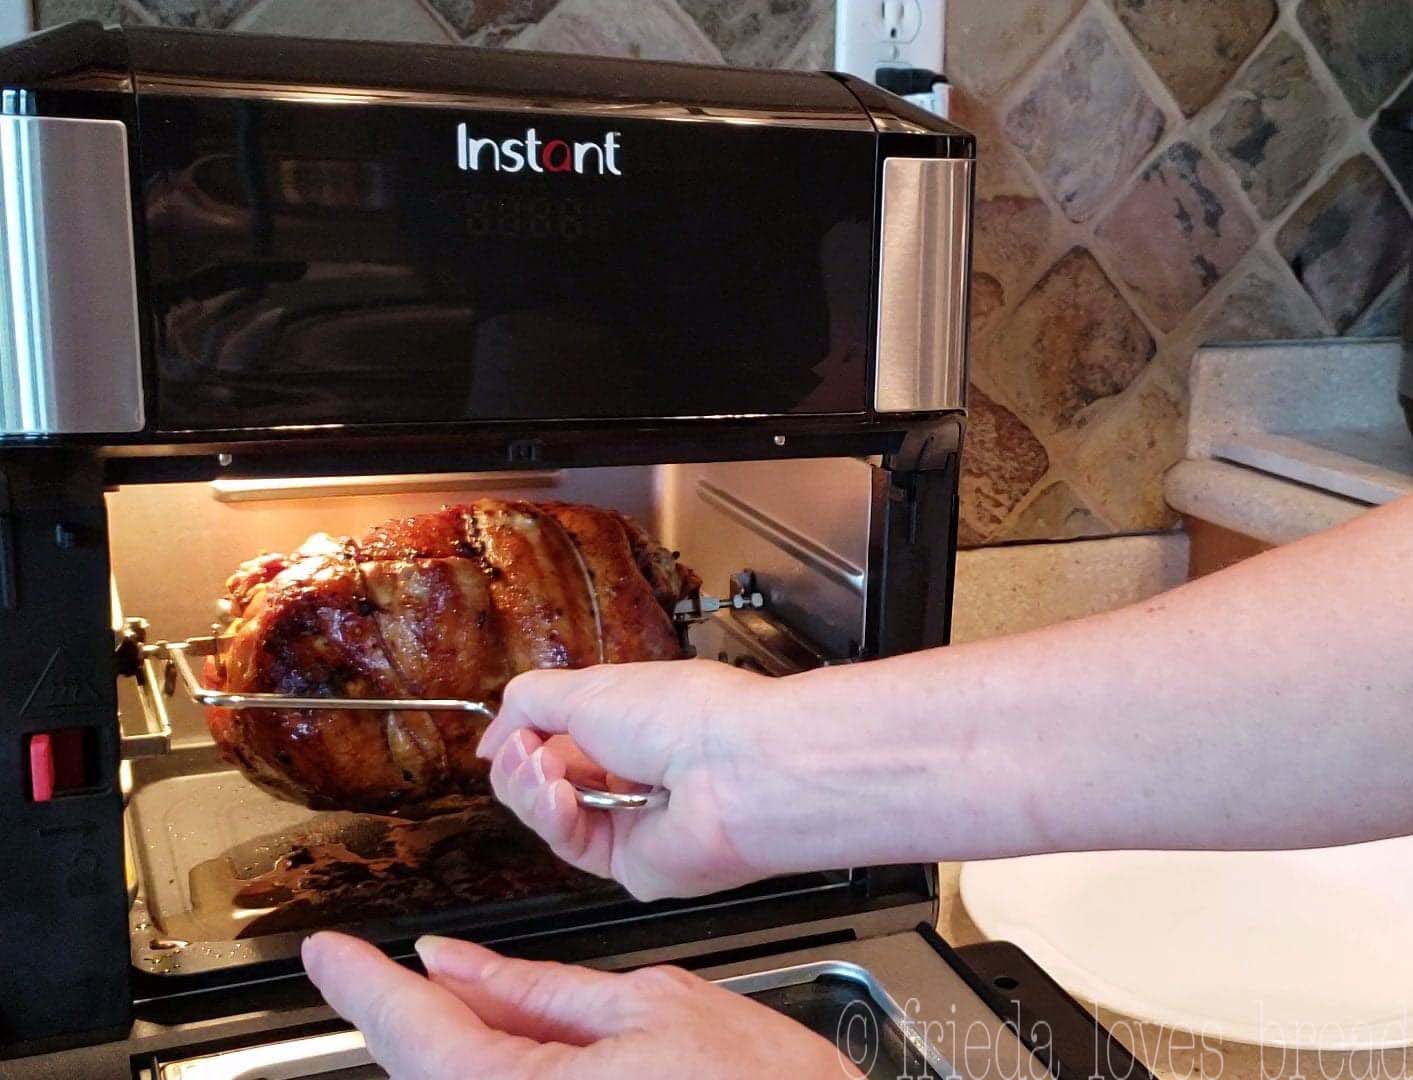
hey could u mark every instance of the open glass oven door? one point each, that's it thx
(894, 1007)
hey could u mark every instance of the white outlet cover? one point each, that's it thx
(869, 34)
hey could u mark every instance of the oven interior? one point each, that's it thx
(222, 875)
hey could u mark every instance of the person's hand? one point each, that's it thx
(480, 1014)
(704, 730)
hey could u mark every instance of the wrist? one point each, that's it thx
(825, 776)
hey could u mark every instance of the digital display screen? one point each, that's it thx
(526, 216)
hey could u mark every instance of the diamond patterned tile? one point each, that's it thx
(1121, 465)
(1266, 305)
(1086, 122)
(1386, 316)
(757, 33)
(1196, 45)
(815, 49)
(1057, 513)
(367, 20)
(987, 299)
(990, 43)
(1003, 461)
(1368, 45)
(1068, 347)
(1012, 224)
(644, 29)
(491, 22)
(1176, 232)
(113, 12)
(1348, 240)
(1278, 126)
(199, 14)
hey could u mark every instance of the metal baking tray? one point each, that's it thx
(200, 838)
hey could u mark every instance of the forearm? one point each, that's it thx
(1269, 706)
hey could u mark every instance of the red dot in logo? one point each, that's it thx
(566, 158)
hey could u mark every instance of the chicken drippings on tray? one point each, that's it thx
(343, 869)
(451, 604)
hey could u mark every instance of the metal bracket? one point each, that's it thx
(135, 660)
(929, 448)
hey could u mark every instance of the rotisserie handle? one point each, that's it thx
(595, 799)
(177, 654)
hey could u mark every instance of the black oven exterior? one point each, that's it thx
(243, 257)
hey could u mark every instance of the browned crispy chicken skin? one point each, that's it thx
(446, 605)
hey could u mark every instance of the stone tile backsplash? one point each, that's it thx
(1152, 175)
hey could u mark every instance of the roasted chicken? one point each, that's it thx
(444, 605)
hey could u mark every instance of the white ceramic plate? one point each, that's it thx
(1309, 949)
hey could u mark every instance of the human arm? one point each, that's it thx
(1267, 706)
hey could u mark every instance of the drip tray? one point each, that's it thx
(228, 874)
(848, 1006)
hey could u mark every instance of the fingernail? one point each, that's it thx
(553, 797)
(514, 754)
(481, 750)
(459, 959)
(308, 950)
(537, 765)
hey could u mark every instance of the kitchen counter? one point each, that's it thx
(1177, 1055)
(1289, 438)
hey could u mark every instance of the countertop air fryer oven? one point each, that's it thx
(258, 287)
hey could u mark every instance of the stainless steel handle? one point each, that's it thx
(596, 799)
(178, 654)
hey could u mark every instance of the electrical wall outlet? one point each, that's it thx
(16, 19)
(871, 34)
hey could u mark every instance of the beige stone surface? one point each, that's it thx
(1002, 463)
(1196, 45)
(1069, 347)
(642, 29)
(1012, 224)
(1179, 229)
(1265, 303)
(1056, 513)
(1008, 590)
(815, 49)
(1121, 464)
(990, 43)
(1085, 122)
(377, 20)
(1368, 45)
(1278, 125)
(489, 22)
(757, 33)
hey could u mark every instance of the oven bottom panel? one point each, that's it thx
(904, 1005)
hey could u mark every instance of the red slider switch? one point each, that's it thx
(41, 768)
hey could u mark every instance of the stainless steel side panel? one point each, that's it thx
(924, 253)
(70, 360)
(801, 525)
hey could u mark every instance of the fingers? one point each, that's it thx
(528, 776)
(541, 1001)
(413, 1027)
(621, 715)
